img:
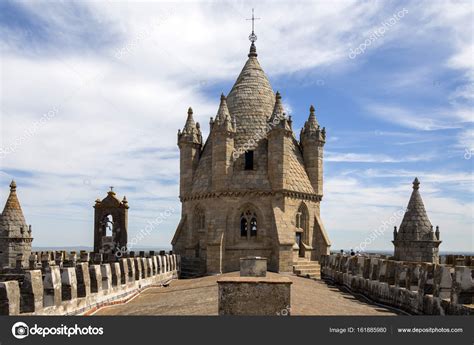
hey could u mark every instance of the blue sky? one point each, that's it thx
(111, 82)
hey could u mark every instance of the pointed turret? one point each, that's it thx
(222, 137)
(223, 118)
(312, 141)
(191, 131)
(280, 135)
(190, 145)
(278, 118)
(416, 240)
(15, 233)
(416, 224)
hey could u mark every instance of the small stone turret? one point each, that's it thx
(312, 140)
(190, 144)
(15, 234)
(222, 137)
(416, 240)
(279, 136)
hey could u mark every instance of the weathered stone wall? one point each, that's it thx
(220, 246)
(71, 287)
(417, 288)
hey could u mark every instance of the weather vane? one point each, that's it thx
(252, 36)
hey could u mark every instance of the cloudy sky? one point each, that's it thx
(93, 93)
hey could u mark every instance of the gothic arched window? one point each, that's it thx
(248, 224)
(199, 219)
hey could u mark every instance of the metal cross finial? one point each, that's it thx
(252, 36)
(111, 188)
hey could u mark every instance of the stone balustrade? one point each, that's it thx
(416, 288)
(60, 283)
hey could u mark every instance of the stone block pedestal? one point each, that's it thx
(254, 296)
(253, 266)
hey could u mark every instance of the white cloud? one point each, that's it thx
(374, 158)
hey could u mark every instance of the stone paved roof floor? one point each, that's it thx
(199, 297)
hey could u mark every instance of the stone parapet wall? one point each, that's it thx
(73, 287)
(416, 288)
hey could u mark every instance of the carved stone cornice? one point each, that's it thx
(244, 193)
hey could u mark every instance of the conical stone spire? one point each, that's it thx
(415, 224)
(250, 101)
(12, 215)
(311, 125)
(278, 118)
(191, 131)
(15, 234)
(223, 115)
(190, 125)
(416, 241)
(278, 113)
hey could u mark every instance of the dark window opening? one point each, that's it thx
(248, 224)
(249, 160)
(243, 226)
(253, 227)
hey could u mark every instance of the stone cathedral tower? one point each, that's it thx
(252, 188)
(416, 240)
(15, 234)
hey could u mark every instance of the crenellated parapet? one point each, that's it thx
(60, 283)
(414, 287)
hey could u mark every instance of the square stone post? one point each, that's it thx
(96, 278)
(106, 272)
(123, 271)
(52, 286)
(462, 291)
(442, 282)
(116, 274)
(9, 298)
(83, 279)
(68, 283)
(31, 291)
(131, 270)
